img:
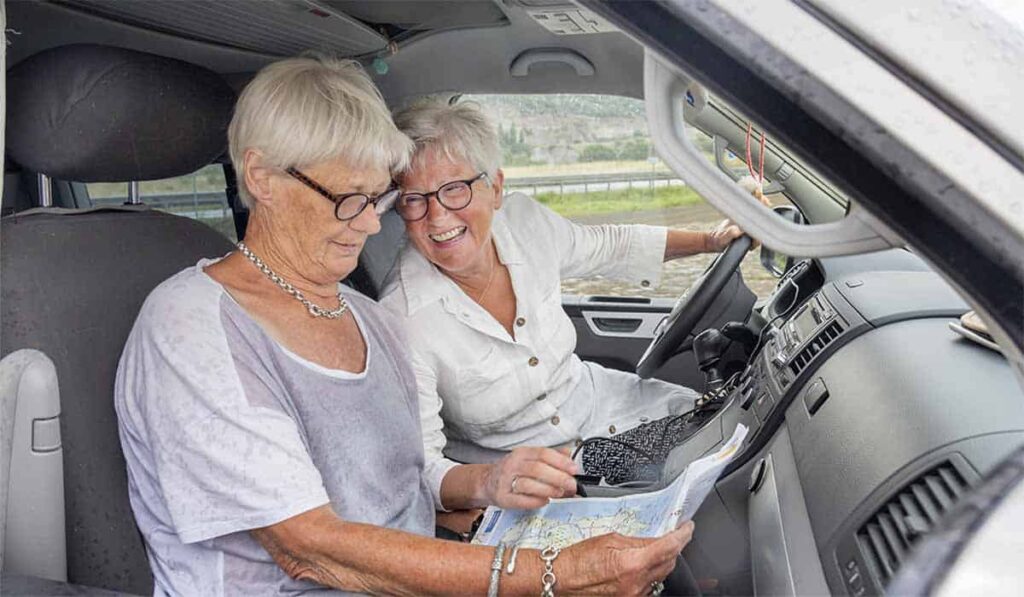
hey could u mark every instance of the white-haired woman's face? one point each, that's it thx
(455, 240)
(328, 247)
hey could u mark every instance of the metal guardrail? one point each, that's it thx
(213, 204)
(595, 179)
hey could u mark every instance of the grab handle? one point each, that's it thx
(667, 93)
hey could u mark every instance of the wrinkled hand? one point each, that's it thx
(617, 565)
(724, 233)
(539, 473)
(727, 230)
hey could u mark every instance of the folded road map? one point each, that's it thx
(564, 522)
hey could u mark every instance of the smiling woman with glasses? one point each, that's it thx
(478, 288)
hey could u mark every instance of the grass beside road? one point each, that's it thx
(621, 200)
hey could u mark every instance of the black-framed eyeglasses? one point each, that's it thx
(348, 206)
(453, 196)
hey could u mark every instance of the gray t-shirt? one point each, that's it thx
(224, 431)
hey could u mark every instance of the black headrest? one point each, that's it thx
(100, 114)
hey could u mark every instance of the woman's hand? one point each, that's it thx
(617, 565)
(719, 238)
(727, 231)
(529, 477)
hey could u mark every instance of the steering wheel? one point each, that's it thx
(691, 306)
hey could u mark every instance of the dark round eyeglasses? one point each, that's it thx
(453, 196)
(348, 206)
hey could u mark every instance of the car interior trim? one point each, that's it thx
(919, 85)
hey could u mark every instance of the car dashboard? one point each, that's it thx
(869, 418)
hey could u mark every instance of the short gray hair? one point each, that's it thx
(460, 132)
(304, 111)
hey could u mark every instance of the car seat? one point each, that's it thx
(74, 280)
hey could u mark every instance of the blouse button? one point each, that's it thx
(541, 397)
(521, 321)
(555, 420)
(533, 361)
(645, 283)
(611, 429)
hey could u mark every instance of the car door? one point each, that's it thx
(614, 331)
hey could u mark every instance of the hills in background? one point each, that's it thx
(566, 129)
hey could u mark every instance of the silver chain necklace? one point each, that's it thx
(314, 310)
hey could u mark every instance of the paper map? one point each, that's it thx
(564, 522)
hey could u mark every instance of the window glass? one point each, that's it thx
(199, 195)
(590, 158)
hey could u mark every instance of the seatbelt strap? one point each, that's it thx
(239, 213)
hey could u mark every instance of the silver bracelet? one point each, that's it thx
(499, 555)
(548, 579)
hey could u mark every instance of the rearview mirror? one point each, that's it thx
(777, 263)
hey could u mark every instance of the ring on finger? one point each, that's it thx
(515, 478)
(657, 587)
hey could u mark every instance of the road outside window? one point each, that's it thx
(199, 196)
(590, 158)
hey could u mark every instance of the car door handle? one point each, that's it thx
(617, 325)
(622, 324)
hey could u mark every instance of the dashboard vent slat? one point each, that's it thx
(926, 502)
(887, 537)
(953, 481)
(816, 345)
(939, 492)
(881, 550)
(892, 537)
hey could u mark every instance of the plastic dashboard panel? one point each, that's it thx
(904, 392)
(902, 397)
(784, 557)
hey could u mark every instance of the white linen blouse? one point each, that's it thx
(482, 391)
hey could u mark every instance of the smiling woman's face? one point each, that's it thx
(455, 241)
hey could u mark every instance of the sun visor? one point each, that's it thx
(93, 113)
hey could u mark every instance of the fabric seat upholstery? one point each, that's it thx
(74, 280)
(72, 286)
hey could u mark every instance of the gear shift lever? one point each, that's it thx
(708, 347)
(742, 333)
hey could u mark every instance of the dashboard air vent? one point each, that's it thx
(815, 346)
(887, 537)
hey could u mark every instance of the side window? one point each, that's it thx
(590, 158)
(199, 196)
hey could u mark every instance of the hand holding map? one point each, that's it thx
(564, 522)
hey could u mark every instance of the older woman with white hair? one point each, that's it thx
(268, 414)
(479, 290)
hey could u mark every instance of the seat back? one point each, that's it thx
(31, 468)
(73, 280)
(378, 262)
(73, 283)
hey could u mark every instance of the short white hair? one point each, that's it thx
(459, 132)
(300, 112)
